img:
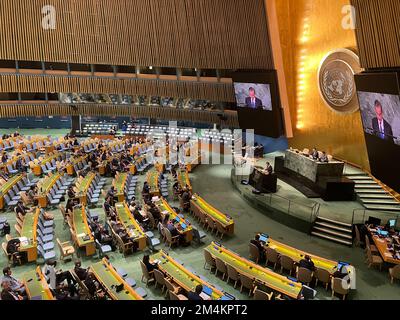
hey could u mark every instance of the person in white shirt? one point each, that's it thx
(15, 284)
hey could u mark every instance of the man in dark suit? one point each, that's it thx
(307, 263)
(196, 294)
(382, 129)
(252, 101)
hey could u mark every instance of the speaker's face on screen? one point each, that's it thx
(379, 112)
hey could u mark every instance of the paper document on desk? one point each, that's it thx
(205, 296)
(24, 241)
(81, 235)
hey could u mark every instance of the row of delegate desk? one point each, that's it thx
(387, 244)
(266, 277)
(84, 187)
(11, 182)
(37, 287)
(183, 179)
(29, 235)
(119, 184)
(182, 225)
(80, 231)
(132, 227)
(46, 185)
(199, 206)
(185, 278)
(297, 255)
(153, 182)
(260, 274)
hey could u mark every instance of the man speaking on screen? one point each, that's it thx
(381, 127)
(252, 101)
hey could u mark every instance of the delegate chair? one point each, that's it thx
(254, 252)
(394, 273)
(209, 260)
(160, 279)
(220, 267)
(304, 276)
(232, 275)
(261, 295)
(171, 287)
(247, 283)
(373, 260)
(339, 286)
(322, 275)
(66, 249)
(272, 257)
(146, 275)
(174, 296)
(287, 264)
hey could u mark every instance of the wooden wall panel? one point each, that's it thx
(40, 110)
(224, 34)
(39, 84)
(377, 31)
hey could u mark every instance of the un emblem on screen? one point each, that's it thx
(336, 80)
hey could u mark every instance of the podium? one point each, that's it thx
(263, 182)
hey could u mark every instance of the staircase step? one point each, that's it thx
(333, 233)
(383, 208)
(366, 183)
(360, 178)
(390, 202)
(344, 224)
(365, 190)
(375, 196)
(331, 238)
(370, 186)
(335, 227)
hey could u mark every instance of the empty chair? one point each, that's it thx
(209, 260)
(11, 170)
(304, 275)
(174, 296)
(220, 267)
(287, 264)
(254, 252)
(372, 247)
(357, 241)
(232, 274)
(131, 282)
(9, 202)
(272, 257)
(340, 286)
(46, 255)
(247, 283)
(66, 249)
(322, 275)
(160, 279)
(394, 273)
(198, 235)
(170, 286)
(261, 295)
(373, 260)
(103, 250)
